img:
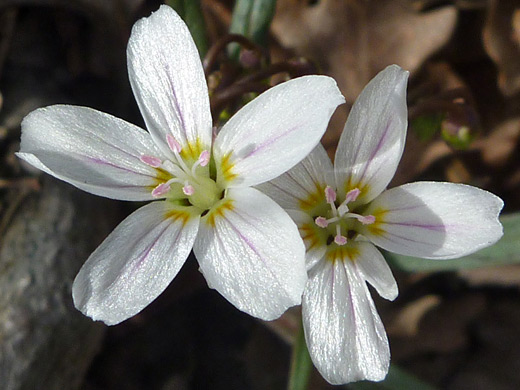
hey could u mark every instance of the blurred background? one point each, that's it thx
(455, 325)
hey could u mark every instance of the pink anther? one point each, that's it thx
(152, 161)
(188, 190)
(204, 158)
(340, 240)
(330, 194)
(366, 219)
(160, 190)
(321, 222)
(352, 195)
(173, 144)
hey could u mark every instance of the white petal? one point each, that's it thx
(346, 339)
(435, 220)
(91, 150)
(168, 80)
(376, 271)
(299, 186)
(373, 139)
(276, 130)
(135, 263)
(250, 251)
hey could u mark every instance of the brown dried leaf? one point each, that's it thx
(437, 79)
(457, 172)
(501, 143)
(454, 314)
(502, 43)
(407, 321)
(502, 276)
(353, 40)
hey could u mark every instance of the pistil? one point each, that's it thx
(201, 191)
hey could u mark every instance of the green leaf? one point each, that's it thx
(397, 379)
(301, 364)
(426, 126)
(251, 18)
(505, 251)
(191, 13)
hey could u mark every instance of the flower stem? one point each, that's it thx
(301, 364)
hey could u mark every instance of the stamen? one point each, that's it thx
(164, 188)
(152, 161)
(160, 190)
(352, 195)
(176, 148)
(174, 169)
(173, 144)
(204, 158)
(364, 219)
(330, 195)
(321, 222)
(367, 219)
(340, 240)
(188, 189)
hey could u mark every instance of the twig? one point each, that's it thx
(224, 96)
(212, 55)
(7, 25)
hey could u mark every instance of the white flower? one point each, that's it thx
(248, 248)
(342, 211)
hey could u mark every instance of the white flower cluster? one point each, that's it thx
(268, 217)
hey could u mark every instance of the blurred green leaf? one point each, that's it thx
(191, 13)
(397, 379)
(251, 18)
(301, 364)
(505, 251)
(426, 126)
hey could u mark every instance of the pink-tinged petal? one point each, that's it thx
(345, 336)
(376, 271)
(435, 220)
(275, 131)
(302, 187)
(91, 150)
(168, 81)
(135, 263)
(373, 139)
(250, 251)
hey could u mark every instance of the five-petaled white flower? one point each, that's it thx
(247, 247)
(342, 211)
